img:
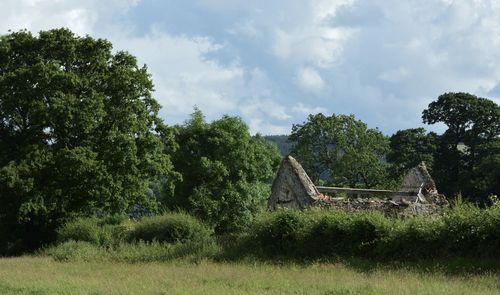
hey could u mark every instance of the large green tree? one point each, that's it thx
(79, 132)
(226, 173)
(408, 148)
(467, 158)
(340, 150)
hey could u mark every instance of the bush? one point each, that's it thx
(472, 231)
(328, 234)
(413, 238)
(80, 229)
(92, 230)
(279, 233)
(365, 231)
(462, 231)
(171, 228)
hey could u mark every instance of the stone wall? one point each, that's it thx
(387, 207)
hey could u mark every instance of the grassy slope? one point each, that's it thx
(41, 275)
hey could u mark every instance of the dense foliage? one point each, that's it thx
(170, 228)
(341, 150)
(96, 231)
(78, 133)
(226, 173)
(467, 159)
(410, 147)
(463, 231)
(158, 238)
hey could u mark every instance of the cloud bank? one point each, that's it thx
(275, 62)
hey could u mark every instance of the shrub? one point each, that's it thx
(80, 229)
(364, 231)
(491, 239)
(333, 233)
(472, 231)
(92, 230)
(413, 238)
(171, 228)
(279, 233)
(328, 233)
(463, 231)
(113, 219)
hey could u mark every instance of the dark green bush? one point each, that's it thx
(364, 231)
(279, 233)
(328, 234)
(472, 231)
(490, 240)
(113, 219)
(171, 228)
(80, 229)
(462, 231)
(413, 238)
(92, 230)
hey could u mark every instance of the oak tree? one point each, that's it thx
(340, 150)
(79, 132)
(468, 146)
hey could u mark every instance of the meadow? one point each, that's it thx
(44, 275)
(283, 252)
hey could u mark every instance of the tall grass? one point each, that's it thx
(39, 275)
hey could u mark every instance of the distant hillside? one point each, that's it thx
(284, 145)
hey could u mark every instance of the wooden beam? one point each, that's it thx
(361, 191)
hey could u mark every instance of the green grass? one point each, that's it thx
(44, 275)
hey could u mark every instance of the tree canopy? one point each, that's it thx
(467, 157)
(79, 132)
(225, 171)
(340, 150)
(408, 148)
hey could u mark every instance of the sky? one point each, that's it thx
(275, 62)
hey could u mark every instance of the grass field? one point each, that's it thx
(43, 275)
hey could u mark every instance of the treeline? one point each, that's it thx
(80, 136)
(341, 150)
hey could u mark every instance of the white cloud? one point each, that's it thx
(302, 109)
(183, 76)
(309, 79)
(257, 107)
(270, 61)
(80, 16)
(312, 41)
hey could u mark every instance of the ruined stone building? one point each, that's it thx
(292, 188)
(419, 182)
